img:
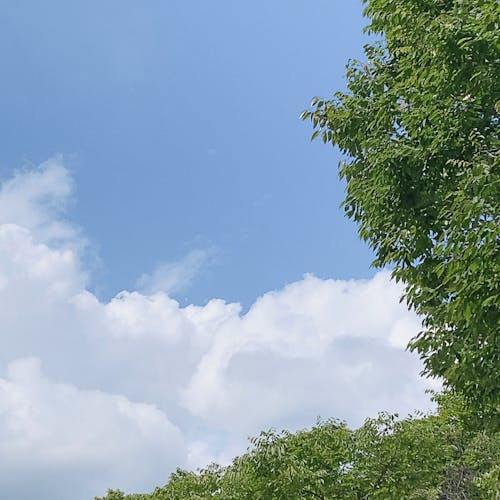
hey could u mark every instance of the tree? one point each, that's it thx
(434, 456)
(418, 127)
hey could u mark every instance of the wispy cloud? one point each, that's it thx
(174, 277)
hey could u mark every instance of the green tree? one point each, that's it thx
(427, 457)
(418, 127)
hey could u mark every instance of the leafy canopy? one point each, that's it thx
(418, 127)
(422, 457)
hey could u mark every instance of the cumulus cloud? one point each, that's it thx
(141, 381)
(57, 441)
(36, 199)
(316, 347)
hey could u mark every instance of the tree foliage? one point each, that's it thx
(418, 126)
(435, 456)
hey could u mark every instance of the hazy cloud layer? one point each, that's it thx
(117, 394)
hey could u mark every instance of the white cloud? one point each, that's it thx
(57, 441)
(173, 277)
(317, 347)
(36, 199)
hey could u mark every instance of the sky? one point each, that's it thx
(176, 273)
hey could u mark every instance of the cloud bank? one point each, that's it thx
(117, 394)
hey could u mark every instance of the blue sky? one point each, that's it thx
(179, 121)
(175, 271)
